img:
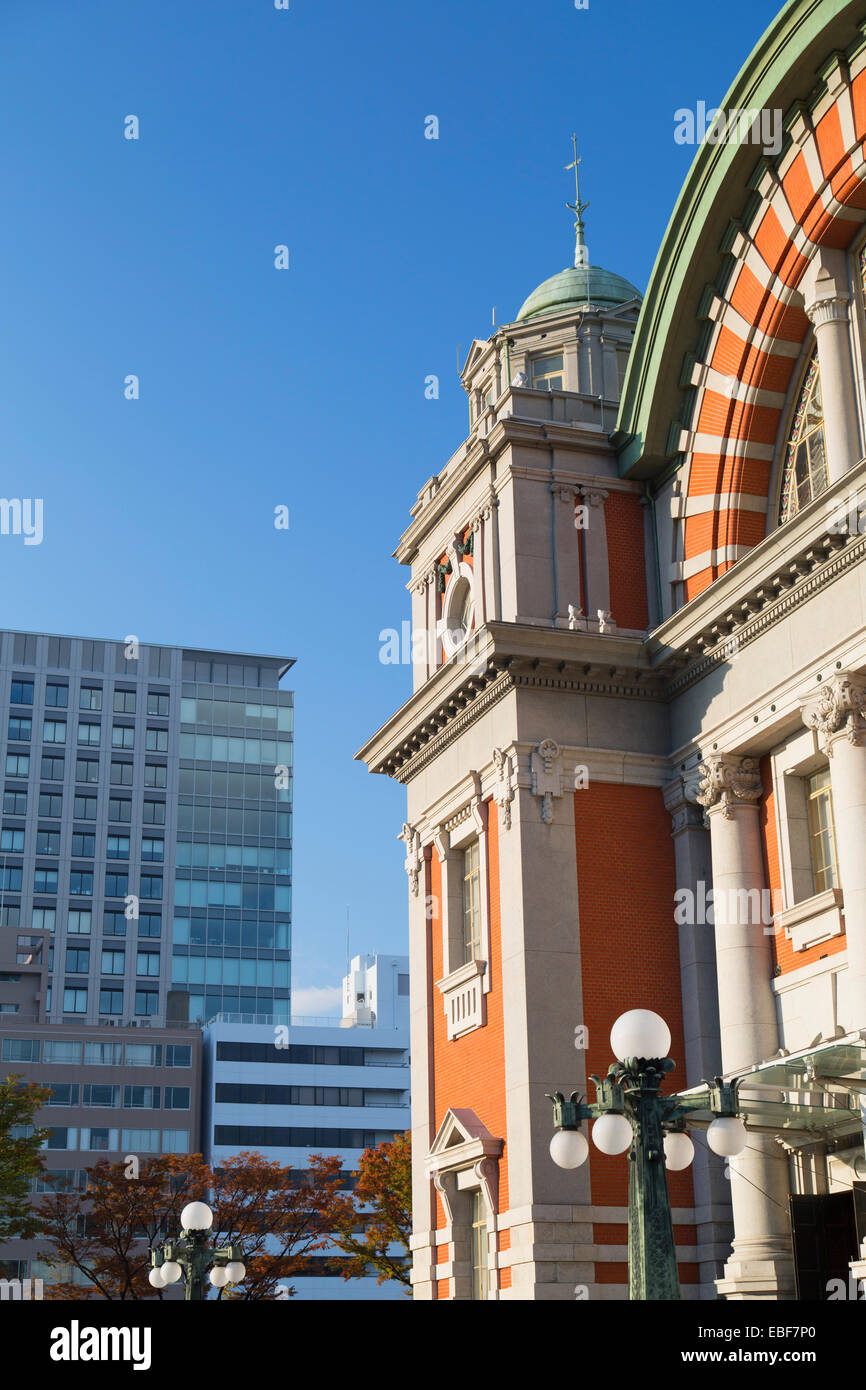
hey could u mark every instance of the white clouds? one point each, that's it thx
(313, 1000)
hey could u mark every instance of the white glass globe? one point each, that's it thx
(640, 1033)
(727, 1136)
(196, 1216)
(612, 1134)
(155, 1278)
(236, 1272)
(679, 1152)
(171, 1272)
(219, 1277)
(568, 1148)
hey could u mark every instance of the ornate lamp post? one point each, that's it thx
(631, 1115)
(189, 1255)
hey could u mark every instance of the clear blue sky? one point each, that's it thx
(302, 387)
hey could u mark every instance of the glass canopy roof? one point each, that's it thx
(810, 1097)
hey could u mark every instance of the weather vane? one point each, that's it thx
(581, 254)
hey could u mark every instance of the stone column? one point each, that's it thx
(827, 302)
(700, 1017)
(837, 712)
(761, 1263)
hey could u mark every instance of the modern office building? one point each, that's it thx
(641, 580)
(147, 803)
(331, 1086)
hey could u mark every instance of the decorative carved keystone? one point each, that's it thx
(545, 765)
(727, 778)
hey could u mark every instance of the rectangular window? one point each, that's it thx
(124, 702)
(122, 736)
(96, 1093)
(90, 698)
(117, 847)
(50, 804)
(141, 1097)
(89, 734)
(87, 770)
(22, 693)
(154, 775)
(157, 704)
(84, 808)
(147, 963)
(119, 810)
(121, 774)
(114, 924)
(57, 696)
(822, 832)
(150, 924)
(82, 845)
(146, 1003)
(547, 373)
(12, 841)
(471, 903)
(153, 813)
(48, 842)
(103, 1054)
(111, 1001)
(43, 918)
(116, 885)
(144, 1054)
(175, 1141)
(65, 1053)
(79, 923)
(77, 960)
(20, 728)
(20, 1050)
(44, 880)
(98, 1140)
(141, 1140)
(151, 886)
(80, 884)
(75, 1001)
(152, 850)
(10, 878)
(63, 1092)
(52, 768)
(17, 764)
(112, 962)
(176, 1098)
(157, 741)
(15, 803)
(61, 1139)
(479, 1246)
(54, 731)
(178, 1055)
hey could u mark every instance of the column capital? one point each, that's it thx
(829, 309)
(594, 496)
(838, 710)
(680, 798)
(727, 779)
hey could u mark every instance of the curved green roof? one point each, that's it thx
(575, 286)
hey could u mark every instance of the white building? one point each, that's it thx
(335, 1086)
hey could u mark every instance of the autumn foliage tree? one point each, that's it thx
(373, 1224)
(20, 1156)
(281, 1218)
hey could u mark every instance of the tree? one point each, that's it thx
(377, 1217)
(20, 1157)
(105, 1232)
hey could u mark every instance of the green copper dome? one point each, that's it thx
(575, 286)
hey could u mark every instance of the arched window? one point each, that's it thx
(805, 472)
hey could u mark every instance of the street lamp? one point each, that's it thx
(631, 1115)
(188, 1256)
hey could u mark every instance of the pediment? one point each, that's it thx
(461, 1138)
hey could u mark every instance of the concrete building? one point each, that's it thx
(115, 1092)
(643, 680)
(147, 807)
(322, 1085)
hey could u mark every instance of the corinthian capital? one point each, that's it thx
(726, 779)
(838, 710)
(829, 309)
